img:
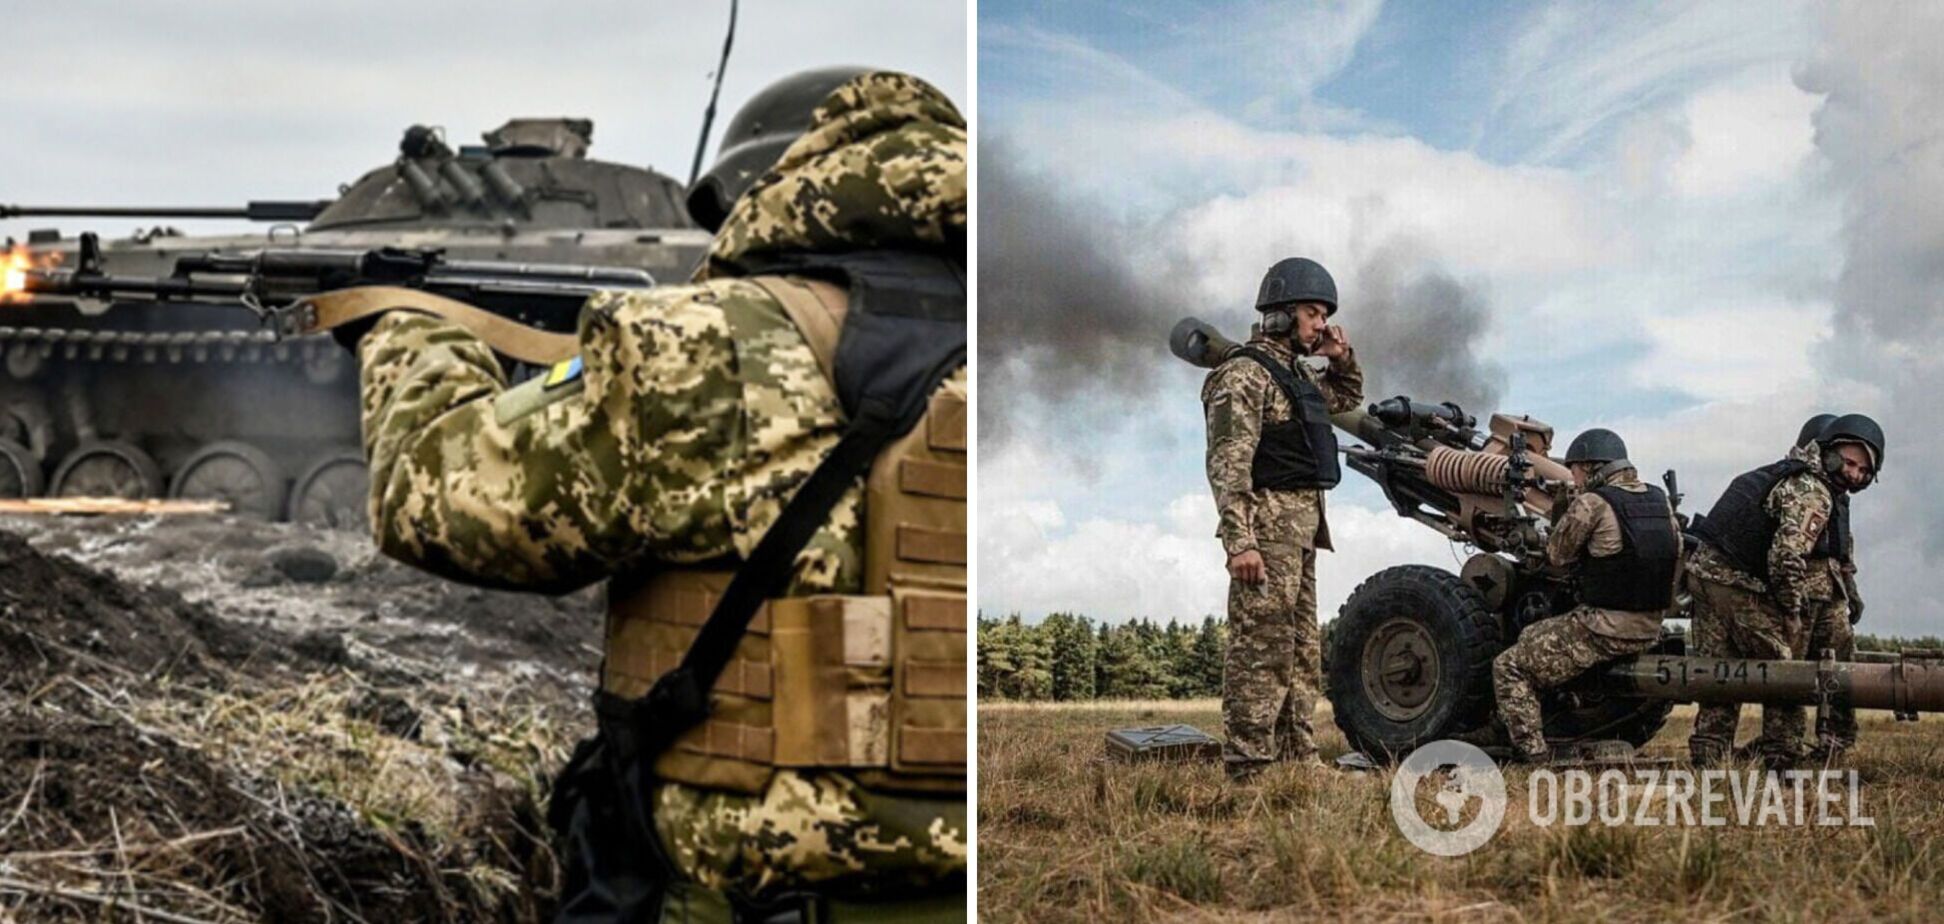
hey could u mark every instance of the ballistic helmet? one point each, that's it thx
(1812, 428)
(1596, 445)
(1296, 279)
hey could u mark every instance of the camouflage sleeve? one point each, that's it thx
(1801, 509)
(1569, 536)
(1342, 383)
(560, 481)
(1234, 425)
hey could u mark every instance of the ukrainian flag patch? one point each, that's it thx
(564, 372)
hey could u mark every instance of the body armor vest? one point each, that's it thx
(1640, 577)
(872, 683)
(1740, 528)
(1299, 453)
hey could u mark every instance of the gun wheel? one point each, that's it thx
(1410, 660)
(107, 468)
(332, 492)
(20, 471)
(1400, 669)
(237, 473)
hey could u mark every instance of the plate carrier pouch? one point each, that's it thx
(874, 683)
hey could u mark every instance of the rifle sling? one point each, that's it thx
(324, 311)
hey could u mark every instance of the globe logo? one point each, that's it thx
(1465, 776)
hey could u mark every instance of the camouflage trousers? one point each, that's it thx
(1830, 630)
(1273, 668)
(1731, 622)
(1549, 653)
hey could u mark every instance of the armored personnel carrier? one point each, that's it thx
(186, 400)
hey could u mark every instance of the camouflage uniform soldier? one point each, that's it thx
(1271, 455)
(676, 441)
(1620, 538)
(1767, 571)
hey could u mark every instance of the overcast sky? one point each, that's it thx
(214, 103)
(1696, 224)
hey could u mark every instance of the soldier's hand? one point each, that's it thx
(1246, 567)
(1334, 343)
(1856, 610)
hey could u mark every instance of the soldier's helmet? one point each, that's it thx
(1596, 445)
(1297, 279)
(757, 136)
(1855, 428)
(1812, 428)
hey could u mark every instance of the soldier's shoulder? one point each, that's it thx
(1236, 374)
(1804, 487)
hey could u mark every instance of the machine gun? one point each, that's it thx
(291, 291)
(1408, 659)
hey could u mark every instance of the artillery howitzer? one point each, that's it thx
(194, 399)
(1408, 659)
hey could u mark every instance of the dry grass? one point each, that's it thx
(1065, 837)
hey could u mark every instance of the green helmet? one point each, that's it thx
(756, 138)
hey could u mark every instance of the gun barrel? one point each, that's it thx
(260, 210)
(1908, 685)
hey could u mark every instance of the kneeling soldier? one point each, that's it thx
(1620, 540)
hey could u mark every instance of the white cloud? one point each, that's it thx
(1737, 353)
(1115, 568)
(1747, 134)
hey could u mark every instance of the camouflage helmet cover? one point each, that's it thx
(758, 135)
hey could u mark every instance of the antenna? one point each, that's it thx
(708, 115)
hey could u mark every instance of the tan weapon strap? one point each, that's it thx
(327, 310)
(817, 308)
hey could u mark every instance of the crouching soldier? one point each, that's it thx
(1619, 539)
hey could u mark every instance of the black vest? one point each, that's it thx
(1640, 577)
(1299, 453)
(1741, 529)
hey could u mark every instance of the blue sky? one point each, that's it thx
(1634, 199)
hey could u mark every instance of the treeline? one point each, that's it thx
(1067, 657)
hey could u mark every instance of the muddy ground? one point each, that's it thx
(211, 719)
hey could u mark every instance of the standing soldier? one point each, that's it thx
(1623, 545)
(708, 450)
(1271, 455)
(1768, 567)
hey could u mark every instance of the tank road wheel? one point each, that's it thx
(107, 468)
(1410, 660)
(332, 492)
(1584, 712)
(236, 473)
(20, 472)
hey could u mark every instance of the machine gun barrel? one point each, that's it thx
(276, 283)
(256, 210)
(1907, 685)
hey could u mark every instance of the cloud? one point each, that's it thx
(1881, 130)
(1575, 69)
(1033, 561)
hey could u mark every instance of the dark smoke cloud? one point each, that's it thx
(1416, 332)
(1068, 312)
(1062, 311)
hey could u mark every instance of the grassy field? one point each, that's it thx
(1066, 837)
